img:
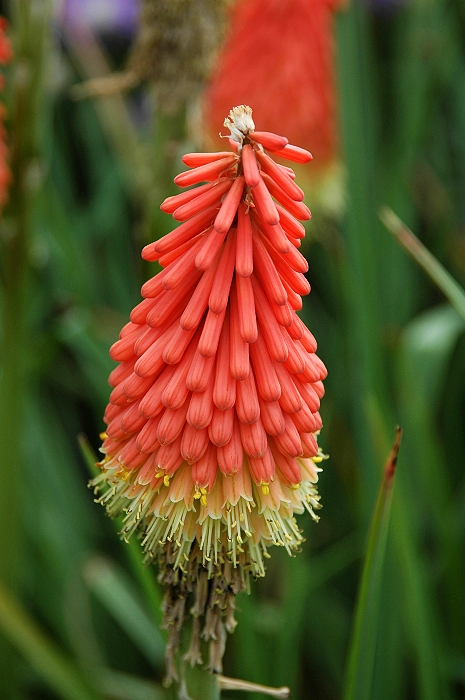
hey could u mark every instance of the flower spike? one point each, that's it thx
(211, 444)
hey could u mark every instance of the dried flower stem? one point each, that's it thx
(247, 686)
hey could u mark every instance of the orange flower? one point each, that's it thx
(211, 444)
(6, 54)
(279, 57)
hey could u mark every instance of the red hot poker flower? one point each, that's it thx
(290, 80)
(211, 442)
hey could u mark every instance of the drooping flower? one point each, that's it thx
(211, 441)
(285, 68)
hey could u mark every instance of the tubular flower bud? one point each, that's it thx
(211, 443)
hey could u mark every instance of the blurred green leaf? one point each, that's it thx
(43, 655)
(425, 350)
(419, 612)
(301, 581)
(425, 259)
(123, 686)
(132, 548)
(358, 682)
(114, 590)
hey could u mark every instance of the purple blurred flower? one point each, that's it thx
(103, 16)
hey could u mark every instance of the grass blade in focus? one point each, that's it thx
(362, 645)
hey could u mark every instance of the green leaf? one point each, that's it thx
(43, 655)
(132, 548)
(439, 275)
(301, 581)
(124, 686)
(113, 588)
(358, 681)
(427, 344)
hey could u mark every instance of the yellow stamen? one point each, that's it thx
(265, 488)
(123, 474)
(166, 480)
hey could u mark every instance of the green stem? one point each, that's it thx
(199, 684)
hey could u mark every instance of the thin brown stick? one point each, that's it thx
(248, 686)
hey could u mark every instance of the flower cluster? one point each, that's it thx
(298, 70)
(211, 441)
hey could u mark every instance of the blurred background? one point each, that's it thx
(376, 90)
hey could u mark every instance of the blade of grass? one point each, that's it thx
(391, 646)
(360, 267)
(425, 637)
(133, 549)
(124, 686)
(300, 582)
(428, 345)
(433, 268)
(43, 655)
(362, 646)
(114, 591)
(407, 570)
